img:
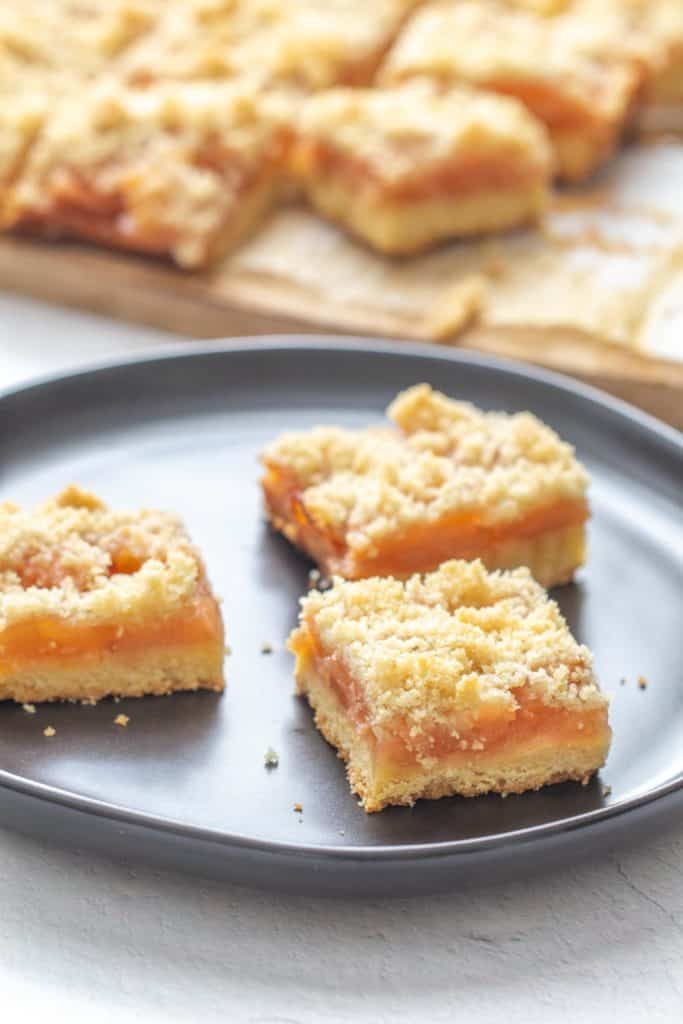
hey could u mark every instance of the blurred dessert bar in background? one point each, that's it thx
(406, 168)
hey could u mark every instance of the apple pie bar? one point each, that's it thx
(181, 170)
(446, 481)
(583, 98)
(405, 168)
(459, 682)
(95, 602)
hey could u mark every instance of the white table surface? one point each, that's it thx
(85, 940)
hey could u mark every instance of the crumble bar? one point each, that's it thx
(447, 481)
(461, 682)
(95, 602)
(405, 168)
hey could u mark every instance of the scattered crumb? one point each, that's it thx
(298, 808)
(341, 832)
(622, 681)
(270, 758)
(49, 731)
(116, 700)
(228, 650)
(606, 790)
(30, 709)
(313, 578)
(494, 265)
(122, 720)
(456, 309)
(642, 682)
(266, 648)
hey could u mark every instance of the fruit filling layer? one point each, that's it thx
(51, 638)
(421, 547)
(470, 734)
(467, 174)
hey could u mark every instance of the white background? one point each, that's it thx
(84, 940)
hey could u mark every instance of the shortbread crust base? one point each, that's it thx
(129, 674)
(536, 766)
(404, 227)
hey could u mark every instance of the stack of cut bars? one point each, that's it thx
(433, 675)
(171, 128)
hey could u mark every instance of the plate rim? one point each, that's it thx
(664, 435)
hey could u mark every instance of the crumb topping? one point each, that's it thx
(445, 458)
(456, 640)
(393, 131)
(74, 558)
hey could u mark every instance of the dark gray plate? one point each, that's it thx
(186, 782)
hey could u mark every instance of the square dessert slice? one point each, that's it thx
(180, 170)
(460, 682)
(95, 602)
(447, 481)
(406, 168)
(582, 97)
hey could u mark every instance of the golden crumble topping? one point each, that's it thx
(502, 45)
(445, 458)
(399, 133)
(74, 558)
(457, 639)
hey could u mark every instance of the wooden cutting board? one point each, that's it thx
(597, 294)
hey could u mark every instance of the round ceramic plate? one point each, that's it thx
(185, 782)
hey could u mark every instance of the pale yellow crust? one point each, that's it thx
(401, 228)
(446, 459)
(142, 673)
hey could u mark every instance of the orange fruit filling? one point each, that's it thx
(447, 178)
(53, 638)
(471, 734)
(421, 548)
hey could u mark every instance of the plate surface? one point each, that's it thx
(186, 780)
